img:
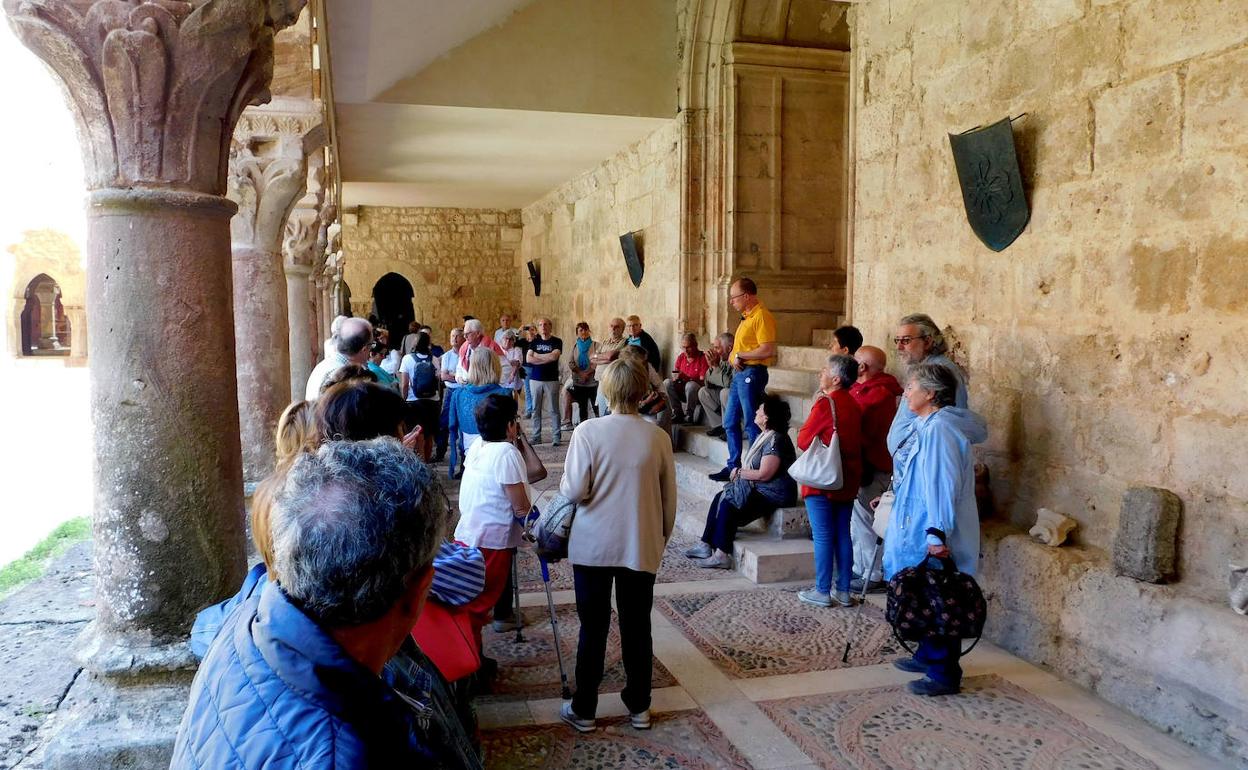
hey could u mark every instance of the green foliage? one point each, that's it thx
(20, 571)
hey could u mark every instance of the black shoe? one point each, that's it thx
(910, 666)
(931, 687)
(716, 433)
(873, 587)
(722, 475)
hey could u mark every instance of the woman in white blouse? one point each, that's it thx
(494, 498)
(621, 475)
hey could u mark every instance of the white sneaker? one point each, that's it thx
(582, 725)
(640, 720)
(814, 597)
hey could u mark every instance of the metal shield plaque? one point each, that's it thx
(992, 186)
(633, 258)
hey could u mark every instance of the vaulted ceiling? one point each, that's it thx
(492, 103)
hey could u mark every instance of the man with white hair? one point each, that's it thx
(474, 337)
(304, 671)
(504, 326)
(352, 341)
(331, 343)
(919, 340)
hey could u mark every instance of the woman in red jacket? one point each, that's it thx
(830, 511)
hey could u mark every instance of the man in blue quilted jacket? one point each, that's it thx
(295, 677)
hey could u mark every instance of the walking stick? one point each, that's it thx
(862, 600)
(566, 691)
(515, 601)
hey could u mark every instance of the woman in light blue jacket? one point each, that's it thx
(934, 483)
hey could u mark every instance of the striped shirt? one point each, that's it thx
(458, 574)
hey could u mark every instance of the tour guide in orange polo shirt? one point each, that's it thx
(753, 350)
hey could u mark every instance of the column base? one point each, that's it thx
(102, 724)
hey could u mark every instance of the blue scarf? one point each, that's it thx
(582, 353)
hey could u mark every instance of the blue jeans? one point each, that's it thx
(941, 659)
(744, 395)
(528, 397)
(829, 527)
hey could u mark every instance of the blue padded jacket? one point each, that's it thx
(275, 691)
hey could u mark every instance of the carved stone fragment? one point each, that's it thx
(1239, 589)
(1051, 527)
(1146, 547)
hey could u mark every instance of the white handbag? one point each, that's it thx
(820, 466)
(883, 512)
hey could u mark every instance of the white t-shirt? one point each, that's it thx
(408, 367)
(486, 519)
(448, 364)
(390, 364)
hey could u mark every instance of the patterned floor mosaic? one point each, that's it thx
(991, 724)
(675, 568)
(684, 739)
(530, 670)
(766, 632)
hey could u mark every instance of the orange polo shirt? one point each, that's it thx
(758, 327)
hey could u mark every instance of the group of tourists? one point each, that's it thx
(359, 633)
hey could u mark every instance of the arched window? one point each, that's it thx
(45, 326)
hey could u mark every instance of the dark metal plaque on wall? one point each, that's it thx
(633, 258)
(992, 185)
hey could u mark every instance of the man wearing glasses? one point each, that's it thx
(753, 350)
(919, 340)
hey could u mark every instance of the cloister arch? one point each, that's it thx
(392, 303)
(45, 327)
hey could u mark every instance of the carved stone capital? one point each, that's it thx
(156, 85)
(299, 243)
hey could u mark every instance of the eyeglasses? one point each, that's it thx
(908, 339)
(731, 297)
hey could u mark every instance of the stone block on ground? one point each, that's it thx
(1146, 547)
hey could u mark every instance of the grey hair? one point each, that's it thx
(929, 329)
(845, 367)
(510, 334)
(937, 378)
(354, 335)
(352, 526)
(727, 339)
(336, 325)
(473, 325)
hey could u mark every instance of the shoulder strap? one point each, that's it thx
(832, 406)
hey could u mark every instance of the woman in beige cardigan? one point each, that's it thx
(620, 473)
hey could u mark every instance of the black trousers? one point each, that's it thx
(505, 609)
(724, 519)
(634, 598)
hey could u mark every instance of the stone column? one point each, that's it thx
(46, 293)
(157, 88)
(268, 168)
(299, 300)
(78, 332)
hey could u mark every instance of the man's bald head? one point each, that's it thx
(871, 361)
(354, 337)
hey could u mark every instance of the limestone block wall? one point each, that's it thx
(574, 231)
(1108, 346)
(458, 261)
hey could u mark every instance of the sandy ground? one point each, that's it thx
(46, 461)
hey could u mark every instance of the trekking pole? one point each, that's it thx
(515, 593)
(862, 599)
(565, 691)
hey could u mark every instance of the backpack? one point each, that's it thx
(424, 378)
(551, 529)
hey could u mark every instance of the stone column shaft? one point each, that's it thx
(299, 305)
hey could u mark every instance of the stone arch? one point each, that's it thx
(392, 303)
(45, 328)
(774, 42)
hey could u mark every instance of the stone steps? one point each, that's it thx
(807, 357)
(767, 551)
(793, 380)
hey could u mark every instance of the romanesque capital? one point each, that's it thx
(299, 243)
(268, 171)
(156, 85)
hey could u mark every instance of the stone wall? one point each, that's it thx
(458, 261)
(1108, 346)
(573, 233)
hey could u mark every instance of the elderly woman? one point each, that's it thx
(757, 489)
(580, 387)
(829, 511)
(512, 362)
(934, 511)
(481, 381)
(621, 475)
(653, 406)
(494, 497)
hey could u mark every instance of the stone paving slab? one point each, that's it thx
(63, 594)
(686, 739)
(990, 724)
(767, 632)
(530, 670)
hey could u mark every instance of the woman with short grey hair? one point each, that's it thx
(621, 475)
(934, 509)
